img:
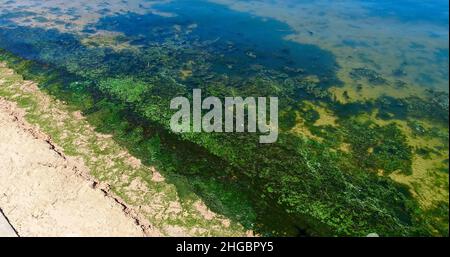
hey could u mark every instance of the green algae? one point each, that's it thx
(297, 186)
(115, 118)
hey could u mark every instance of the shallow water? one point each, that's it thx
(405, 39)
(351, 60)
(237, 39)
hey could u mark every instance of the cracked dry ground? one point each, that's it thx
(59, 177)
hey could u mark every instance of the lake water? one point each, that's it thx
(382, 65)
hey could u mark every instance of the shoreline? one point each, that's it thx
(41, 186)
(139, 193)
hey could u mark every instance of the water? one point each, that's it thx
(413, 34)
(344, 71)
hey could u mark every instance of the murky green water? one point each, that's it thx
(363, 88)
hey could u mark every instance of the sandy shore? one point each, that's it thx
(42, 192)
(59, 176)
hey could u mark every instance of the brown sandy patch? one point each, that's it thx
(45, 193)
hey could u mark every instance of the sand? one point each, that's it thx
(42, 191)
(6, 230)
